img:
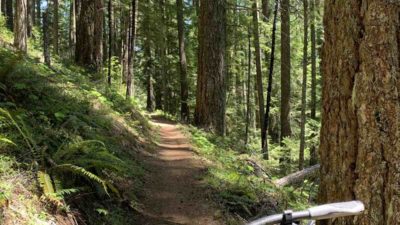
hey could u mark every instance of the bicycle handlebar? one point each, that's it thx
(326, 211)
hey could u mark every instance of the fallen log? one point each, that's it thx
(298, 177)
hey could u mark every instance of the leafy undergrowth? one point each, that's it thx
(243, 182)
(67, 145)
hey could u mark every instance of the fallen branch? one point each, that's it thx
(298, 177)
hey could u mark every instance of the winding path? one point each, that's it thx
(173, 188)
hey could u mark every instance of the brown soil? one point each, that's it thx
(174, 193)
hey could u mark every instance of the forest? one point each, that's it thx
(204, 112)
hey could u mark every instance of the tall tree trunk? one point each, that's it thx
(89, 35)
(20, 25)
(46, 38)
(211, 90)
(266, 11)
(72, 27)
(125, 30)
(131, 58)
(55, 26)
(249, 90)
(260, 89)
(9, 14)
(304, 88)
(285, 69)
(38, 12)
(148, 72)
(264, 133)
(110, 38)
(3, 7)
(182, 62)
(285, 82)
(30, 12)
(359, 149)
(313, 152)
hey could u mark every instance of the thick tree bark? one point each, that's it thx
(182, 62)
(304, 88)
(20, 25)
(55, 33)
(211, 78)
(260, 89)
(9, 15)
(264, 136)
(89, 35)
(359, 149)
(46, 38)
(285, 69)
(266, 11)
(131, 51)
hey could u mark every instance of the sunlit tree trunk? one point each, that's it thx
(72, 27)
(20, 25)
(211, 78)
(182, 62)
(360, 148)
(260, 89)
(131, 51)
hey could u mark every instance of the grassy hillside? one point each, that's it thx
(68, 146)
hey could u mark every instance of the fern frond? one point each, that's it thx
(83, 173)
(45, 182)
(6, 140)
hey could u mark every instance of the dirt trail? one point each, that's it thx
(173, 191)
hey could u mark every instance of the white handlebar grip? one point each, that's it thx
(333, 210)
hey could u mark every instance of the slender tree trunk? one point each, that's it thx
(211, 90)
(249, 90)
(46, 39)
(72, 27)
(55, 26)
(131, 58)
(264, 136)
(38, 12)
(20, 26)
(260, 89)
(313, 152)
(360, 130)
(125, 44)
(9, 14)
(304, 88)
(148, 72)
(182, 62)
(110, 39)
